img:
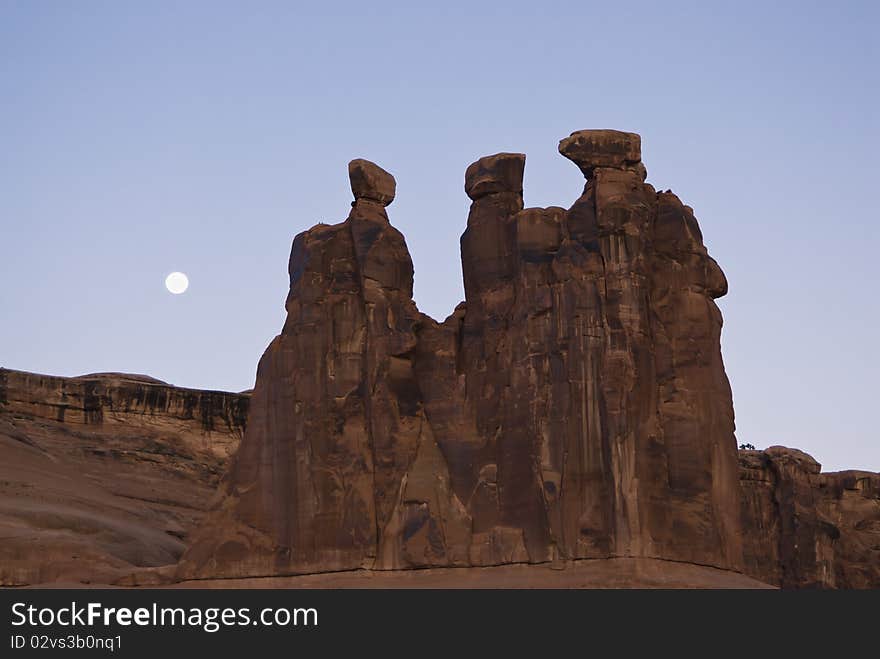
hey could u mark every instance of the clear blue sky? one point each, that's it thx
(137, 138)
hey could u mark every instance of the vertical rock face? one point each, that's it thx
(574, 406)
(341, 469)
(806, 529)
(583, 406)
(116, 400)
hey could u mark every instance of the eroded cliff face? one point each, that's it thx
(807, 529)
(105, 475)
(216, 418)
(574, 406)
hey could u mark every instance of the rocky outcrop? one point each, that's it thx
(105, 475)
(607, 149)
(101, 400)
(341, 467)
(807, 529)
(370, 182)
(574, 406)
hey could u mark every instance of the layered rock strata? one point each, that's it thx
(102, 476)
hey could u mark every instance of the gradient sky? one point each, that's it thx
(141, 138)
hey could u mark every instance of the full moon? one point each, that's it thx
(176, 283)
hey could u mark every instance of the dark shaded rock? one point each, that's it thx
(589, 149)
(806, 529)
(371, 182)
(500, 173)
(574, 407)
(341, 469)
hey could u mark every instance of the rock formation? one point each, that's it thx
(806, 529)
(103, 475)
(574, 406)
(109, 495)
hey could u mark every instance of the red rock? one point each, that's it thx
(79, 504)
(601, 573)
(105, 475)
(575, 406)
(341, 469)
(589, 149)
(500, 173)
(371, 182)
(806, 529)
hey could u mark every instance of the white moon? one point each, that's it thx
(176, 283)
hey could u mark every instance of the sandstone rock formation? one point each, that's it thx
(574, 406)
(610, 149)
(806, 529)
(109, 494)
(102, 475)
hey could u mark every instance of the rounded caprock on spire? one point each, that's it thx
(502, 172)
(589, 149)
(369, 181)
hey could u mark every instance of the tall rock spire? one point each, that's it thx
(574, 406)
